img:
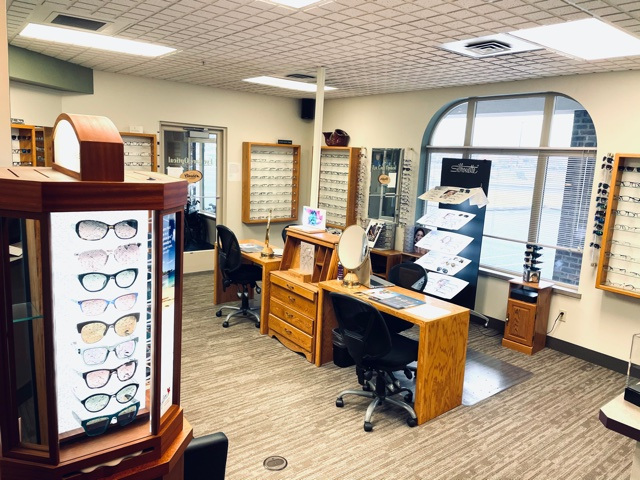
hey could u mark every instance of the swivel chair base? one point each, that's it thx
(369, 391)
(243, 310)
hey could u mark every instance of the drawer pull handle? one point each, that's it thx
(290, 287)
(287, 331)
(291, 299)
(288, 315)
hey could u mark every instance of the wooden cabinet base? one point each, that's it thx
(519, 347)
(139, 466)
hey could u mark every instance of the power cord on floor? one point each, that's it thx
(486, 324)
(560, 315)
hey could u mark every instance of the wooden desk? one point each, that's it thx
(442, 348)
(267, 264)
(624, 418)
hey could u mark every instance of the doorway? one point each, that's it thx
(200, 148)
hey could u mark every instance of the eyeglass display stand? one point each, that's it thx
(140, 151)
(338, 185)
(270, 182)
(23, 146)
(465, 173)
(619, 262)
(44, 146)
(53, 225)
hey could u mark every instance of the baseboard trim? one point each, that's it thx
(577, 351)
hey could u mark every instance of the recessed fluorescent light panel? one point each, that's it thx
(589, 39)
(289, 84)
(295, 3)
(93, 40)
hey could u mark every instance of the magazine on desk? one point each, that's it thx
(392, 299)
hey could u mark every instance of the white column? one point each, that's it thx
(317, 138)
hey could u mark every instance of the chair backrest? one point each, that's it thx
(408, 275)
(363, 329)
(229, 254)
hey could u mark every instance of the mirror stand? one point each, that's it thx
(351, 280)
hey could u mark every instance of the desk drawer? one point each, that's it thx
(293, 300)
(289, 315)
(291, 286)
(290, 332)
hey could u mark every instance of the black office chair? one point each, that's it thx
(284, 231)
(234, 272)
(407, 275)
(205, 458)
(377, 353)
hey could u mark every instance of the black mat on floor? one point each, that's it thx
(485, 376)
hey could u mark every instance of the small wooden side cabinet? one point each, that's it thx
(526, 323)
(384, 260)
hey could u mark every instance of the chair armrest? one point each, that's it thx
(206, 457)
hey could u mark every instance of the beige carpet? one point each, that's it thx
(271, 401)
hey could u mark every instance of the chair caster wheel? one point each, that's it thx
(339, 402)
(408, 397)
(225, 324)
(219, 313)
(412, 422)
(258, 325)
(368, 426)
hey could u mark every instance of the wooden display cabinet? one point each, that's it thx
(140, 151)
(23, 145)
(270, 182)
(525, 327)
(91, 287)
(618, 266)
(338, 185)
(44, 146)
(293, 302)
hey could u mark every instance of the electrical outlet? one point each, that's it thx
(563, 316)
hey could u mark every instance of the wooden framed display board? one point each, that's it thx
(619, 264)
(91, 286)
(339, 184)
(270, 182)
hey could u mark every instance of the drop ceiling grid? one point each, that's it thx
(388, 45)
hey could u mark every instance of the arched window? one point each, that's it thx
(542, 148)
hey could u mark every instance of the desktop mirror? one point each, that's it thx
(353, 252)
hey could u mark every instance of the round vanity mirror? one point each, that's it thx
(353, 251)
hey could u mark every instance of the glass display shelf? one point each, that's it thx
(23, 312)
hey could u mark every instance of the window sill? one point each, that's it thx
(560, 289)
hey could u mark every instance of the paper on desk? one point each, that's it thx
(427, 311)
(250, 247)
(278, 252)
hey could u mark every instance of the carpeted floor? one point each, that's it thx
(271, 401)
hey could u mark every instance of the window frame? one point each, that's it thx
(542, 152)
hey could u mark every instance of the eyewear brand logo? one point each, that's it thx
(462, 168)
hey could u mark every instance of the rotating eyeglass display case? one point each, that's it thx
(91, 313)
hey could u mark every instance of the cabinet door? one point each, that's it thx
(520, 326)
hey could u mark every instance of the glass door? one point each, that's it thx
(197, 150)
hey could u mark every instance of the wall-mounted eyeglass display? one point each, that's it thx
(386, 164)
(273, 170)
(338, 184)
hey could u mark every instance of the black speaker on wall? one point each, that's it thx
(307, 108)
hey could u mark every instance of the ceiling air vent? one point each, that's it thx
(300, 76)
(76, 22)
(490, 46)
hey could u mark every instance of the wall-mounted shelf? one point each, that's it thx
(339, 184)
(140, 151)
(270, 181)
(23, 145)
(619, 265)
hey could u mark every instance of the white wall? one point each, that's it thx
(128, 100)
(600, 321)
